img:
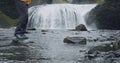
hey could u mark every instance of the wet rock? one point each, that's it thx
(44, 30)
(75, 40)
(106, 55)
(93, 55)
(95, 39)
(110, 38)
(81, 27)
(43, 33)
(106, 51)
(104, 47)
(31, 29)
(117, 44)
(113, 46)
(4, 39)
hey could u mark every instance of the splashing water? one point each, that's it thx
(58, 16)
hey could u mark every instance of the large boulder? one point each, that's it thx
(81, 27)
(75, 40)
(105, 15)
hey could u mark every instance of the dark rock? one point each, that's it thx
(117, 44)
(43, 33)
(4, 39)
(31, 29)
(44, 30)
(93, 55)
(110, 38)
(75, 40)
(81, 27)
(113, 46)
(107, 52)
(105, 55)
(40, 2)
(105, 15)
(95, 39)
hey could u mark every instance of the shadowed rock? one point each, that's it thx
(81, 27)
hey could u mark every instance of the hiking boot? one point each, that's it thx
(21, 36)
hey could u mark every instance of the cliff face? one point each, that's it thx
(106, 15)
(8, 13)
(8, 8)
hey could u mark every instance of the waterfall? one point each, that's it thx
(58, 16)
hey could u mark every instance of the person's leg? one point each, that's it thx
(23, 18)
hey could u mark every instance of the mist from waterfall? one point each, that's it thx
(58, 16)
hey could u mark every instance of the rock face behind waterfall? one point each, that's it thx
(58, 16)
(106, 15)
(39, 2)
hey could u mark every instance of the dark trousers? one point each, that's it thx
(22, 9)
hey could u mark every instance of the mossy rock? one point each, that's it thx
(6, 21)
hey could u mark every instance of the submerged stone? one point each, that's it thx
(75, 40)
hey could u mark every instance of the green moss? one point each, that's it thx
(59, 1)
(8, 20)
(100, 1)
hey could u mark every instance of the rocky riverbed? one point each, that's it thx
(50, 48)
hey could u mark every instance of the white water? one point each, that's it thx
(58, 16)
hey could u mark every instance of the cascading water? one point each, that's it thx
(58, 16)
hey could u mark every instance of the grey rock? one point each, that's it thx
(75, 40)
